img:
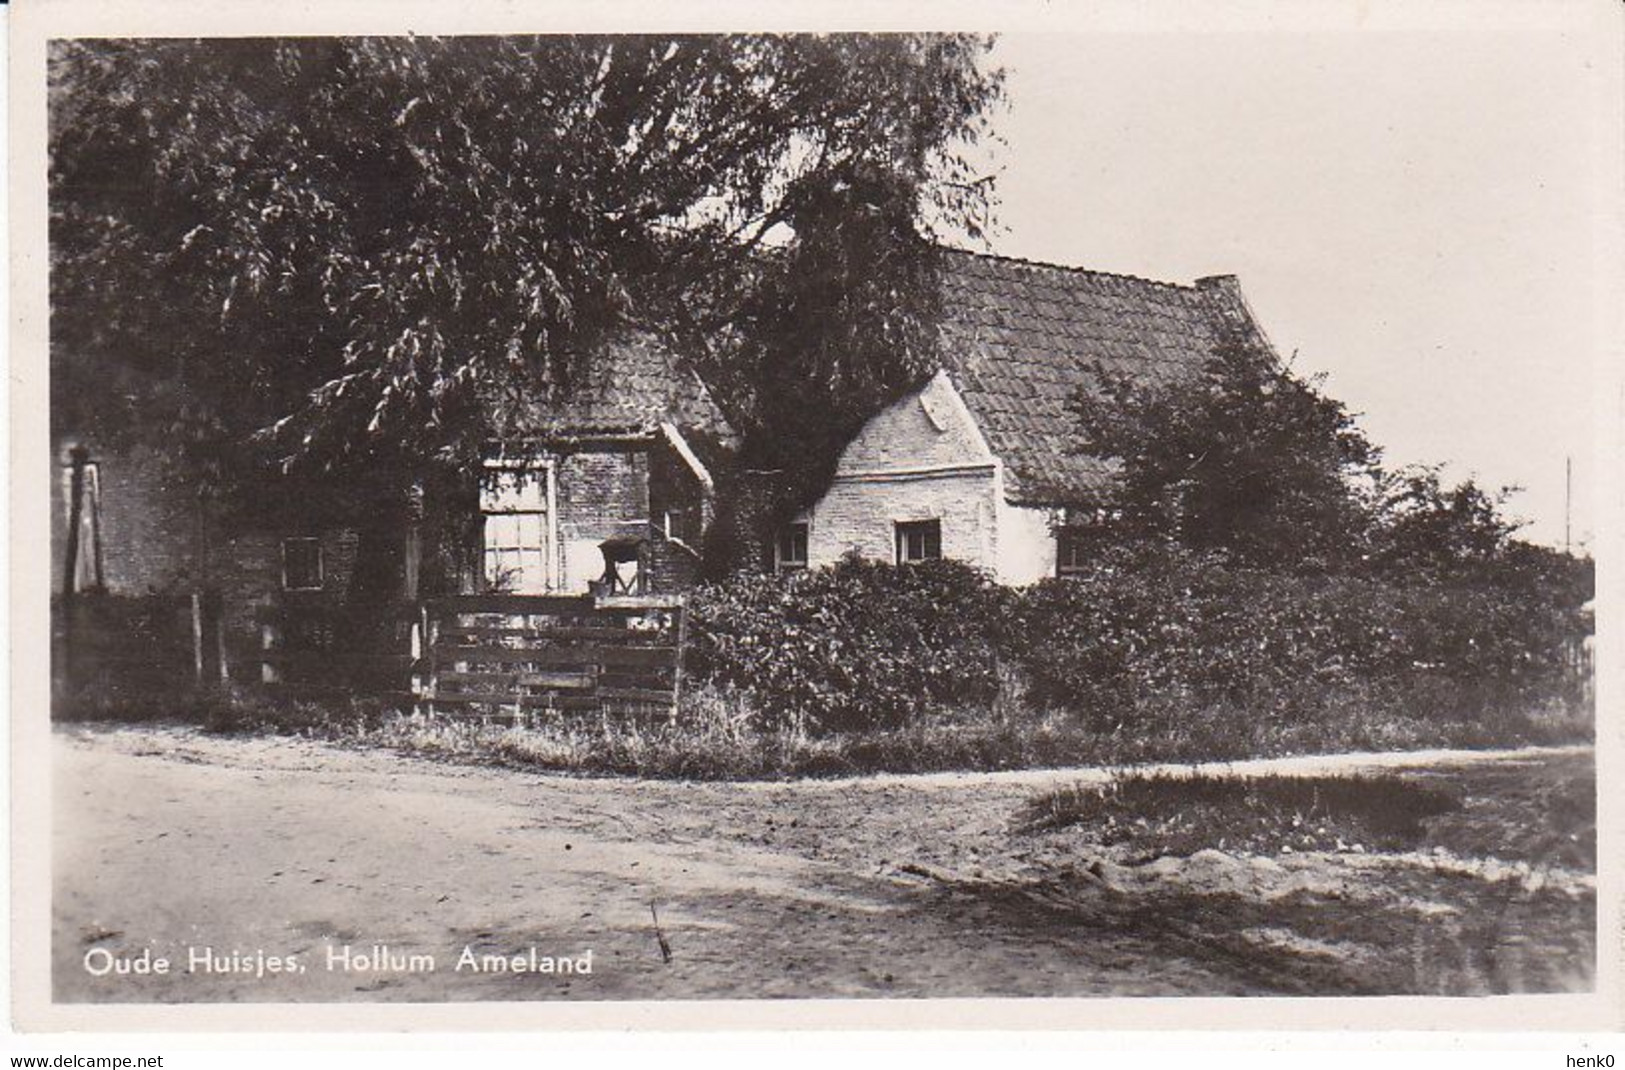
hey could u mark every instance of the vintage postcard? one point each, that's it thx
(555, 515)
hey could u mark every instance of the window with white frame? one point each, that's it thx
(790, 549)
(518, 536)
(919, 540)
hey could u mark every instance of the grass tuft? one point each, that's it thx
(1172, 814)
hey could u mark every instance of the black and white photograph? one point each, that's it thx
(581, 515)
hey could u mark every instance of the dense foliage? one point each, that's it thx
(1245, 458)
(1266, 560)
(857, 645)
(1167, 628)
(327, 251)
(1146, 634)
(1241, 456)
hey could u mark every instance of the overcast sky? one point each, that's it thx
(1411, 212)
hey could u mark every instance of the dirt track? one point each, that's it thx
(171, 840)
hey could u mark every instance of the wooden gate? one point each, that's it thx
(529, 657)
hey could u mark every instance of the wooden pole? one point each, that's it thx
(99, 580)
(76, 517)
(197, 635)
(418, 639)
(220, 641)
(70, 565)
(677, 672)
(412, 561)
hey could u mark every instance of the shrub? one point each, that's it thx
(250, 710)
(1149, 628)
(1151, 640)
(857, 645)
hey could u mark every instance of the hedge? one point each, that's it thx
(855, 645)
(1140, 633)
(1190, 628)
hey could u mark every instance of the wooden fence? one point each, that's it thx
(525, 658)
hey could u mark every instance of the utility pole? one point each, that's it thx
(1568, 497)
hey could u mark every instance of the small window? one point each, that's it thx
(301, 564)
(790, 551)
(1071, 551)
(919, 540)
(683, 525)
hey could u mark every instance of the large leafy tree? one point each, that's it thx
(374, 254)
(1241, 456)
(1428, 529)
(1427, 525)
(1248, 459)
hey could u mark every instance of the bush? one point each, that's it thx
(1153, 628)
(1154, 642)
(1153, 654)
(133, 701)
(243, 710)
(855, 646)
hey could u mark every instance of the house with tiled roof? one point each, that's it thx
(979, 464)
(976, 464)
(616, 490)
(628, 459)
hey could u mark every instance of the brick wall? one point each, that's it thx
(919, 459)
(930, 428)
(153, 542)
(601, 493)
(672, 568)
(674, 488)
(247, 570)
(152, 538)
(862, 517)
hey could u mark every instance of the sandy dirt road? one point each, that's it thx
(170, 842)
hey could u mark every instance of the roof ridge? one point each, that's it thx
(1072, 269)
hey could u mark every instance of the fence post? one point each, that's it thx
(415, 642)
(431, 635)
(197, 637)
(70, 565)
(268, 642)
(677, 674)
(220, 639)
